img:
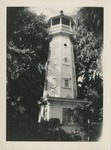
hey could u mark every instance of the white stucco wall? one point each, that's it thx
(56, 109)
(59, 69)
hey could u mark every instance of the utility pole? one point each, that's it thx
(88, 121)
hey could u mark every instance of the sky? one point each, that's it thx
(54, 11)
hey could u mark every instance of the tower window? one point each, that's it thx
(65, 44)
(66, 83)
(65, 59)
(55, 21)
(65, 21)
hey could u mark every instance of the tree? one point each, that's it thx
(27, 49)
(88, 45)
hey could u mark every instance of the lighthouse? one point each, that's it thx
(60, 89)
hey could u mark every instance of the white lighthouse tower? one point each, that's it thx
(60, 91)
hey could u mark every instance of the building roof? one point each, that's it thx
(62, 15)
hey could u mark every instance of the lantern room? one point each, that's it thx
(61, 24)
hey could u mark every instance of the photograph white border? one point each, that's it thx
(104, 143)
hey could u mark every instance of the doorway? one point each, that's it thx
(66, 118)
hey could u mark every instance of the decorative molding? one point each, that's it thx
(53, 83)
(54, 61)
(68, 96)
(66, 87)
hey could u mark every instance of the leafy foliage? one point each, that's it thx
(27, 49)
(92, 19)
(88, 45)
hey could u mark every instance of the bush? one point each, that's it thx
(52, 124)
(55, 122)
(75, 135)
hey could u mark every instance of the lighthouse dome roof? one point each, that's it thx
(63, 16)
